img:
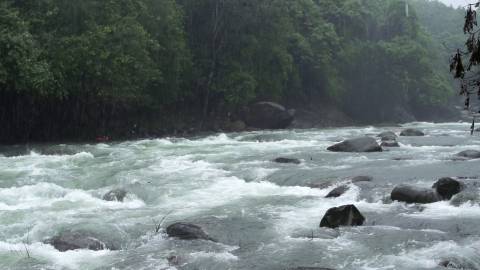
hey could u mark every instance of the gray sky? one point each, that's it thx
(457, 2)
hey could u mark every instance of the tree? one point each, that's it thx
(465, 62)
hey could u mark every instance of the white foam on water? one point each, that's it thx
(220, 256)
(444, 210)
(44, 195)
(425, 258)
(226, 190)
(75, 260)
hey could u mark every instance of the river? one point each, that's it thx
(263, 214)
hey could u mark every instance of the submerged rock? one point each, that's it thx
(338, 191)
(412, 132)
(70, 240)
(469, 154)
(362, 178)
(347, 215)
(287, 160)
(321, 185)
(390, 144)
(362, 144)
(269, 115)
(447, 187)
(115, 195)
(187, 231)
(387, 136)
(411, 194)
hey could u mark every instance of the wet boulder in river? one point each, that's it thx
(412, 194)
(390, 144)
(269, 115)
(387, 136)
(362, 144)
(412, 132)
(287, 160)
(338, 191)
(187, 231)
(115, 195)
(347, 215)
(70, 240)
(469, 154)
(447, 187)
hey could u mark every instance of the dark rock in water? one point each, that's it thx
(115, 195)
(269, 115)
(77, 240)
(387, 136)
(411, 194)
(390, 144)
(411, 132)
(469, 154)
(347, 215)
(362, 178)
(447, 187)
(337, 192)
(287, 160)
(362, 144)
(187, 231)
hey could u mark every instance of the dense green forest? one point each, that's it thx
(83, 69)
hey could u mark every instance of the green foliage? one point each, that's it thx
(21, 67)
(210, 55)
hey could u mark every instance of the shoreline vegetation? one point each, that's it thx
(107, 70)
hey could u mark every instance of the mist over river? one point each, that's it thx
(263, 214)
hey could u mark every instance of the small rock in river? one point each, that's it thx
(187, 231)
(347, 215)
(115, 195)
(362, 144)
(287, 160)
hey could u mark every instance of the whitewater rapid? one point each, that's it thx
(263, 214)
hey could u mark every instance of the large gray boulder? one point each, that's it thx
(73, 240)
(362, 144)
(347, 215)
(387, 136)
(187, 231)
(469, 154)
(269, 115)
(412, 132)
(412, 194)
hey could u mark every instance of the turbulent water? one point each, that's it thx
(263, 214)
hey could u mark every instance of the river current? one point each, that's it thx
(263, 214)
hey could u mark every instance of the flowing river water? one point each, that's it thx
(263, 214)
